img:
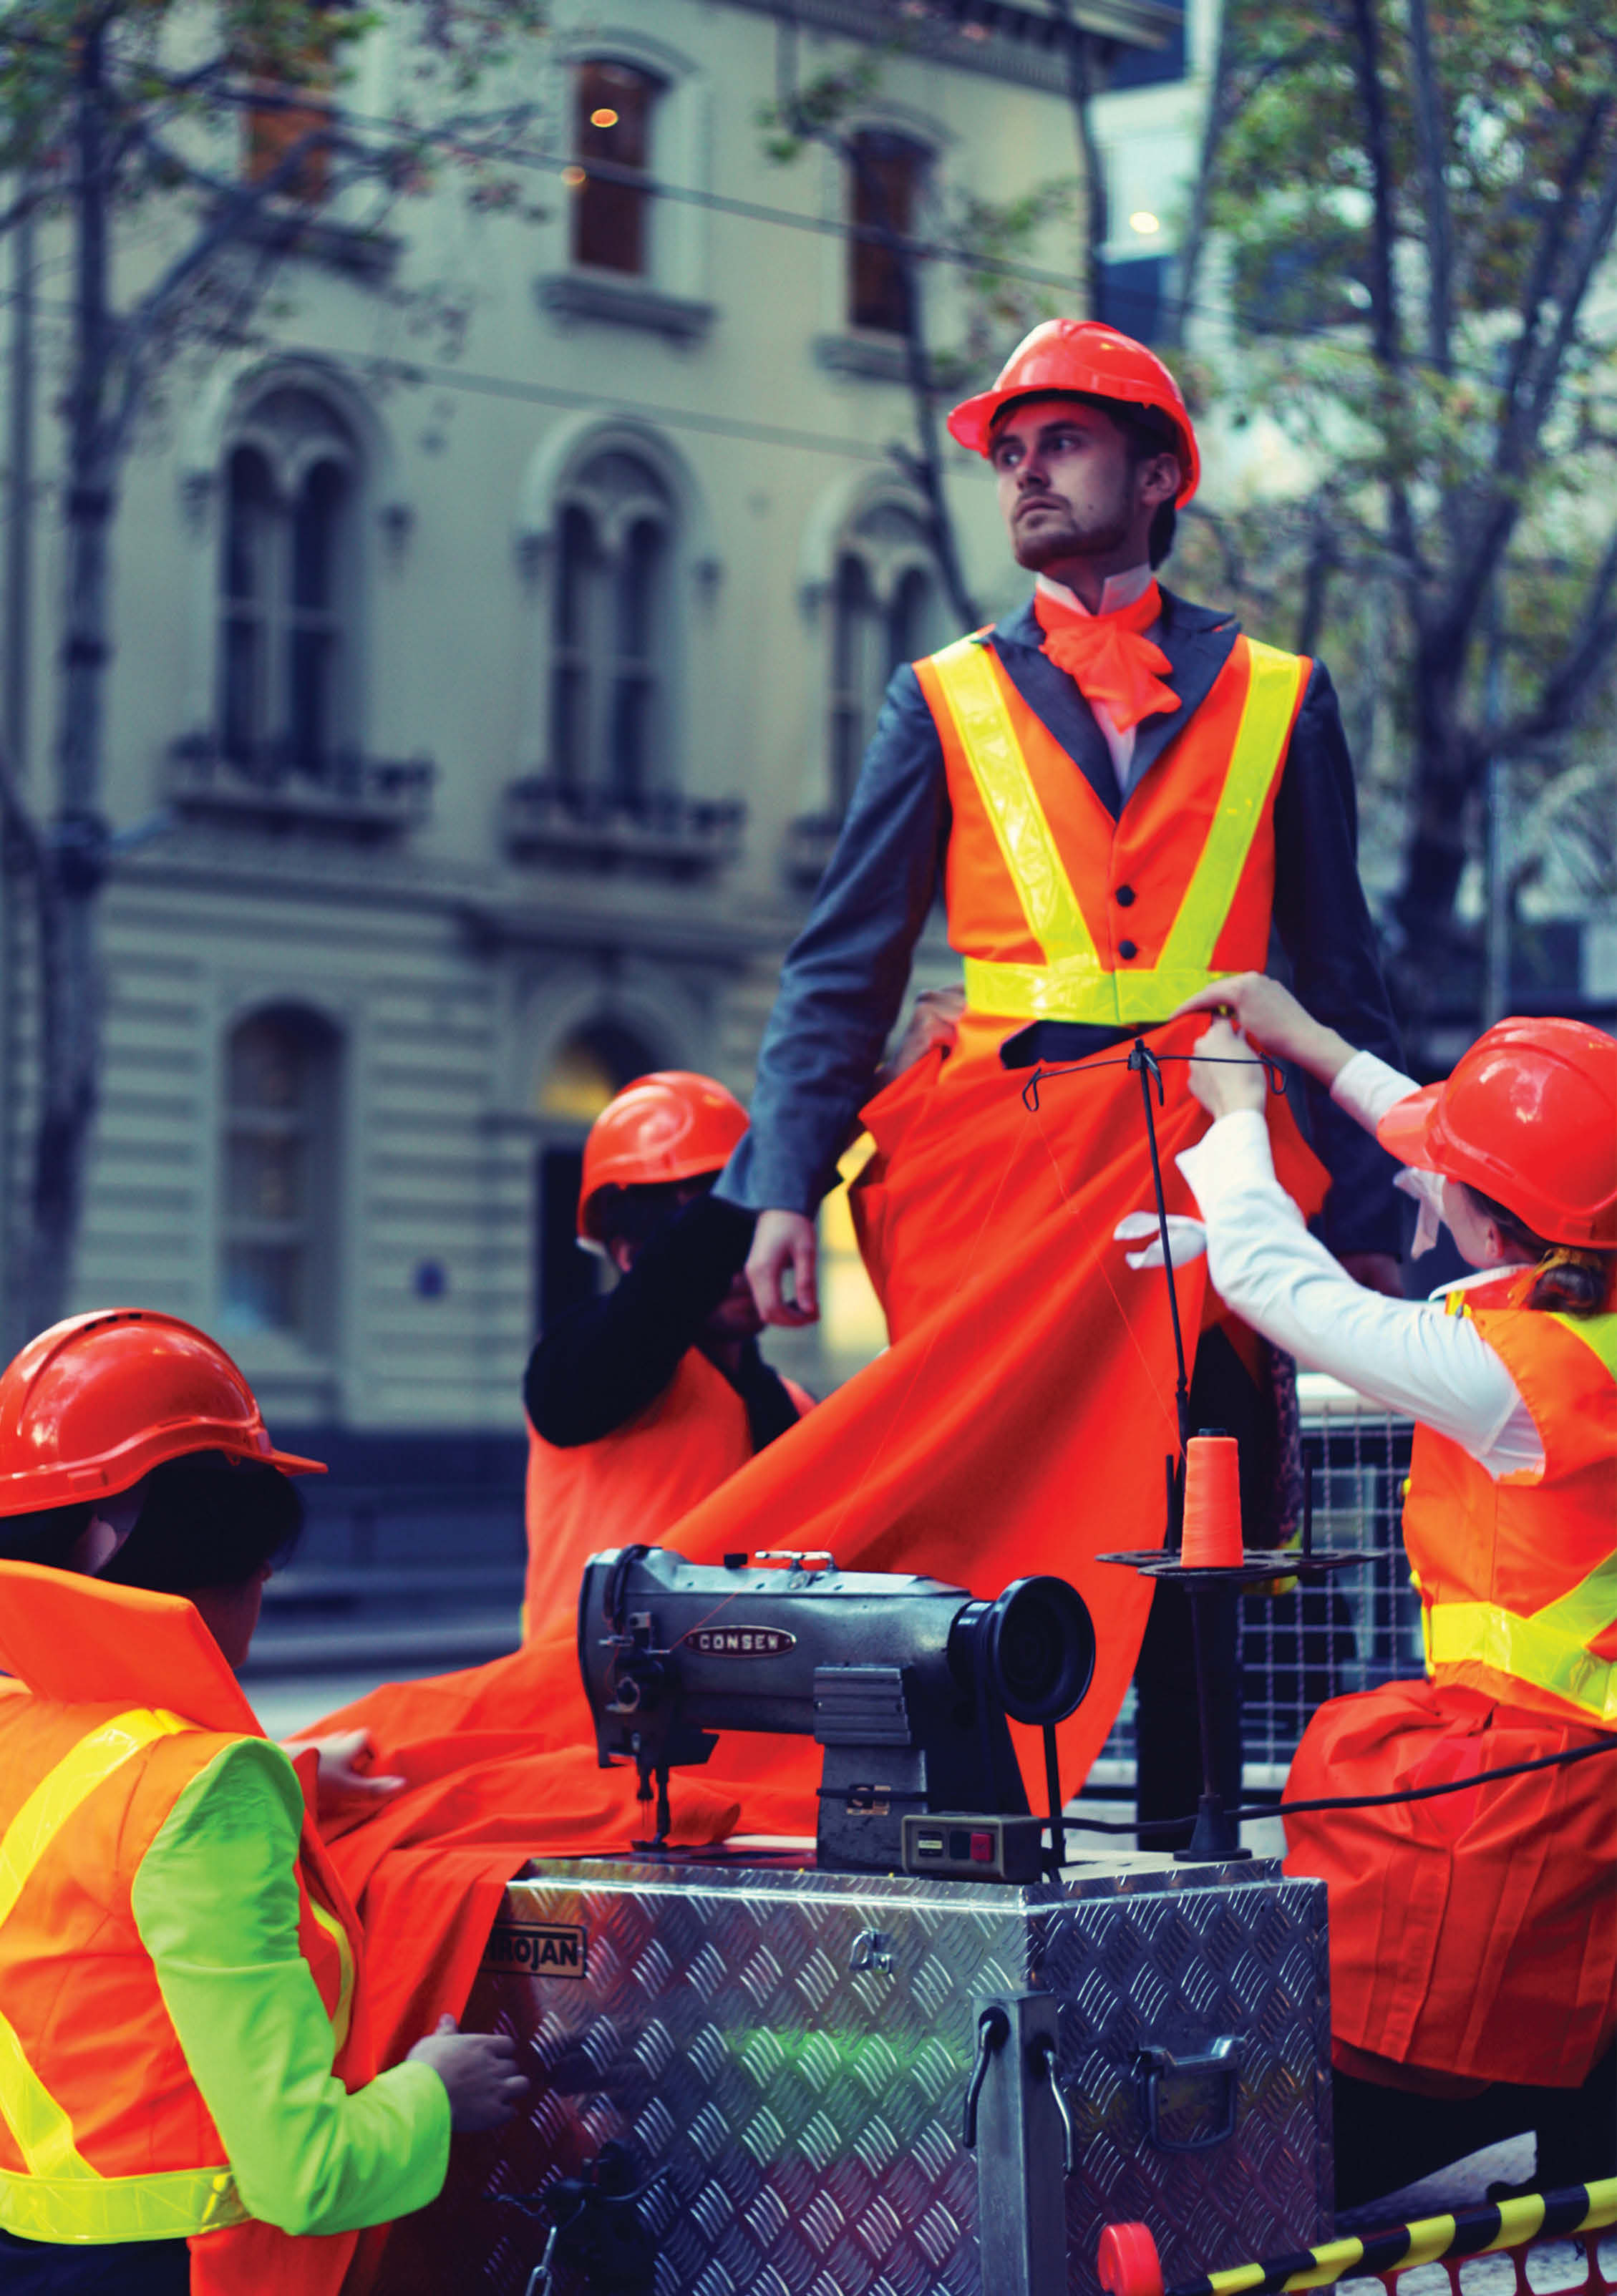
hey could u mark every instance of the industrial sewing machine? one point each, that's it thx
(905, 1683)
(870, 2073)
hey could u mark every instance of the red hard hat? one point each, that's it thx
(1529, 1117)
(667, 1125)
(93, 1404)
(1082, 354)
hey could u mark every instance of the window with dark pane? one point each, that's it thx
(278, 1182)
(855, 626)
(612, 213)
(610, 638)
(887, 173)
(288, 588)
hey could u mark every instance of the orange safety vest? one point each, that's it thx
(630, 1486)
(1518, 1578)
(1062, 913)
(103, 2133)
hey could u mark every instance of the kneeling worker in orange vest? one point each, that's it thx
(1473, 1935)
(186, 2068)
(643, 1401)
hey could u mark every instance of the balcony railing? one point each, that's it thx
(657, 830)
(362, 797)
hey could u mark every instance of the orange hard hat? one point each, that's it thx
(1085, 357)
(93, 1404)
(667, 1125)
(1529, 1117)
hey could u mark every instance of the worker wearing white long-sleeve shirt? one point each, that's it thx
(1473, 1937)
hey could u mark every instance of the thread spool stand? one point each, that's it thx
(1216, 1838)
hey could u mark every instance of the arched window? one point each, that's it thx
(887, 609)
(887, 182)
(609, 659)
(612, 213)
(288, 584)
(279, 1181)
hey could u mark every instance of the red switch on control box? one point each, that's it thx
(982, 1849)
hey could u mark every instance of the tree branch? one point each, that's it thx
(1432, 139)
(1588, 651)
(1547, 254)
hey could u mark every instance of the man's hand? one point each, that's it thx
(1261, 1008)
(783, 1243)
(1225, 1074)
(1377, 1271)
(480, 2071)
(934, 1020)
(339, 1777)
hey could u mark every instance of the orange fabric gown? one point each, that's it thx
(629, 1486)
(1476, 1935)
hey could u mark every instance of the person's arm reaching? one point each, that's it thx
(609, 1359)
(216, 1903)
(1408, 1356)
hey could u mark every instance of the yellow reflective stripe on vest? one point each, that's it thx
(970, 681)
(341, 2016)
(86, 2209)
(61, 2197)
(1266, 722)
(1072, 984)
(1548, 1649)
(1598, 1334)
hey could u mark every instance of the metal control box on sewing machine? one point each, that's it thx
(849, 2080)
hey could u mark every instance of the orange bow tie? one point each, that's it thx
(1114, 661)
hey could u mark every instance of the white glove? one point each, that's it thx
(1186, 1238)
(1427, 1189)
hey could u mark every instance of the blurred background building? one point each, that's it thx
(497, 633)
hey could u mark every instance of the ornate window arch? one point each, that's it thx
(885, 606)
(280, 1156)
(290, 582)
(616, 553)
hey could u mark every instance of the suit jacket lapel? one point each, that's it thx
(1054, 697)
(1197, 643)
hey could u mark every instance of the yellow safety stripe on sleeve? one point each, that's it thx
(61, 2197)
(1266, 722)
(1549, 1648)
(970, 681)
(343, 2013)
(80, 2209)
(1072, 984)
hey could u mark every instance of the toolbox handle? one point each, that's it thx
(993, 2032)
(1152, 2064)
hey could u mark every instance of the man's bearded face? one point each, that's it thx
(1067, 486)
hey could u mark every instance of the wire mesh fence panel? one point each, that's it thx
(1302, 1646)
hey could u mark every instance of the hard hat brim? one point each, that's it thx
(1405, 1130)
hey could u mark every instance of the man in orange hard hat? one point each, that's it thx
(1121, 795)
(642, 1402)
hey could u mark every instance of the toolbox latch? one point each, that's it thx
(1153, 2066)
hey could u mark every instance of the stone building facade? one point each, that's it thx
(499, 702)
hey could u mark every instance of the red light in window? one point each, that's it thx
(572, 177)
(605, 118)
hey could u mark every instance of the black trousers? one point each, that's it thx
(1386, 2137)
(1167, 1737)
(123, 2267)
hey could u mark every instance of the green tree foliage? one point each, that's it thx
(1417, 203)
(175, 151)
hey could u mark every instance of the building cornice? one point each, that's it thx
(994, 36)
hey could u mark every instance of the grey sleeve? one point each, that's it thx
(844, 976)
(1325, 924)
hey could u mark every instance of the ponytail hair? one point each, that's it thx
(1570, 1281)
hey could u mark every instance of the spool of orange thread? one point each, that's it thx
(1212, 1504)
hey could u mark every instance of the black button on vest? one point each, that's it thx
(1126, 949)
(1125, 896)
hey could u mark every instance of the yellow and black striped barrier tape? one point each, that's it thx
(1396, 2248)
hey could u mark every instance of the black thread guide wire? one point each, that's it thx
(1354, 1802)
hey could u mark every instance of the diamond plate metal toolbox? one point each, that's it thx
(771, 2068)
